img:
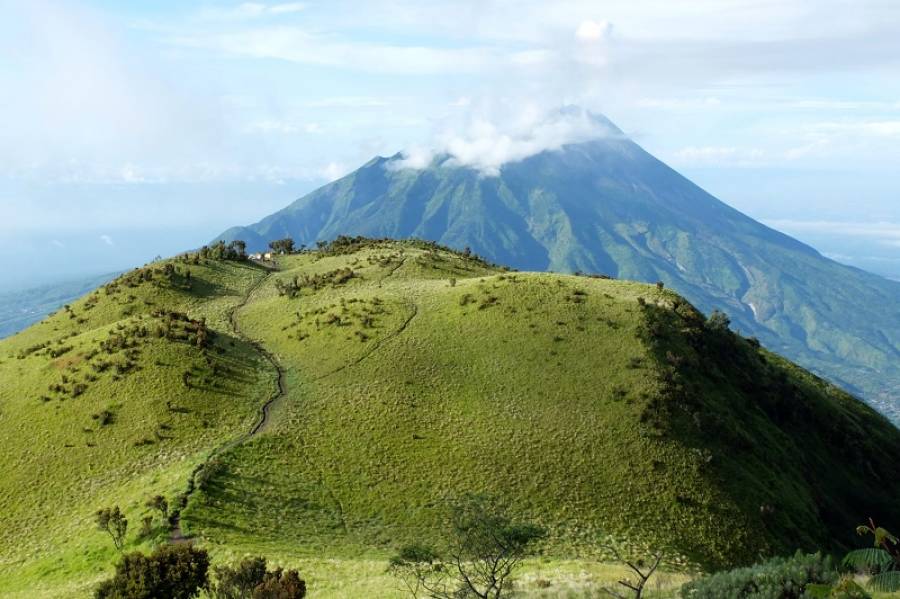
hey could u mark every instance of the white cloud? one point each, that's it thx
(333, 171)
(286, 8)
(487, 144)
(57, 244)
(107, 240)
(593, 31)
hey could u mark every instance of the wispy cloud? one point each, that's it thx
(889, 128)
(351, 102)
(299, 45)
(887, 233)
(283, 127)
(251, 10)
(107, 240)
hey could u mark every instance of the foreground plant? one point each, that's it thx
(485, 547)
(114, 523)
(777, 578)
(882, 560)
(250, 579)
(171, 571)
(642, 571)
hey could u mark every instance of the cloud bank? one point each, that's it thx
(487, 144)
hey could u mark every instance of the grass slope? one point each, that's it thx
(95, 412)
(598, 408)
(591, 406)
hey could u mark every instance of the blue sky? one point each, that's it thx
(158, 124)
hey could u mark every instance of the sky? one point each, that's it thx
(132, 129)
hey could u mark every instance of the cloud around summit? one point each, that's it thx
(487, 142)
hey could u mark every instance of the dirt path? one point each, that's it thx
(176, 535)
(262, 422)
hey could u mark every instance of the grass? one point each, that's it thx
(134, 429)
(600, 409)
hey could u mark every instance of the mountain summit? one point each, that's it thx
(607, 206)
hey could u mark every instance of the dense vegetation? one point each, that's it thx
(324, 415)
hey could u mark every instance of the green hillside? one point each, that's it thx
(396, 376)
(607, 206)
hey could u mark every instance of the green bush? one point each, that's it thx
(250, 580)
(778, 578)
(171, 571)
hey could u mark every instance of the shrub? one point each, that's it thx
(882, 560)
(718, 321)
(281, 584)
(171, 571)
(250, 580)
(114, 523)
(778, 578)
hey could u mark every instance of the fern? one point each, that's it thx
(868, 559)
(886, 582)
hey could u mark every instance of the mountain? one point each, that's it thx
(321, 412)
(607, 206)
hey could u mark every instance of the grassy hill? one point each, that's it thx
(397, 375)
(608, 206)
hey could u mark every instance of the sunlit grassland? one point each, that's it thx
(603, 410)
(494, 385)
(133, 429)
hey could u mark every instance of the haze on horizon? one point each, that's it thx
(138, 129)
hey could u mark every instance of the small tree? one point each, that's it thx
(718, 321)
(146, 526)
(159, 504)
(239, 247)
(282, 246)
(643, 571)
(485, 549)
(172, 571)
(421, 571)
(113, 521)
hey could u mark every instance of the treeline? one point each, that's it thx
(235, 251)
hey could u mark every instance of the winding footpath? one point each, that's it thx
(263, 419)
(176, 535)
